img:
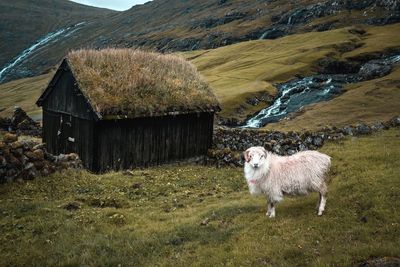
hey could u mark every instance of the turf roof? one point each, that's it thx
(135, 83)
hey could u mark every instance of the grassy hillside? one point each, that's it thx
(240, 71)
(181, 215)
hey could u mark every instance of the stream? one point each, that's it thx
(64, 32)
(300, 92)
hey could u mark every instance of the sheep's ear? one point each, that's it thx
(265, 152)
(246, 155)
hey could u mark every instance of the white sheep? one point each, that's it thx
(273, 175)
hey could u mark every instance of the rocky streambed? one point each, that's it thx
(303, 91)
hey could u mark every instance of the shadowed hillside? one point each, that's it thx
(23, 22)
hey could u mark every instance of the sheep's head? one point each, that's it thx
(256, 156)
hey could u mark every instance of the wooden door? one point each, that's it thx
(65, 138)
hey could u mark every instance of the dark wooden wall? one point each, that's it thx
(65, 134)
(123, 144)
(68, 120)
(67, 98)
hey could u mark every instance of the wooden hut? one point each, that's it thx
(124, 108)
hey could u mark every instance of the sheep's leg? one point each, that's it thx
(322, 203)
(271, 209)
(322, 198)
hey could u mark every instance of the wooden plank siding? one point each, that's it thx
(142, 142)
(71, 125)
(67, 98)
(65, 134)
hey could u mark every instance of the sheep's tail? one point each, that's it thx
(326, 163)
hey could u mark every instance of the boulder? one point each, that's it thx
(9, 138)
(363, 129)
(348, 130)
(16, 144)
(394, 122)
(39, 154)
(5, 123)
(374, 70)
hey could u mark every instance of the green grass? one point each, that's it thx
(153, 217)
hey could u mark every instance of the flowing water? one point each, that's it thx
(50, 37)
(301, 92)
(295, 94)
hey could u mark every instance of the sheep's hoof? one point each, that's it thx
(270, 215)
(320, 213)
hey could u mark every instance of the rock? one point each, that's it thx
(370, 71)
(14, 162)
(16, 144)
(39, 146)
(348, 130)
(18, 152)
(273, 33)
(5, 123)
(394, 122)
(332, 66)
(377, 126)
(39, 154)
(363, 129)
(9, 138)
(3, 162)
(29, 166)
(39, 165)
(30, 155)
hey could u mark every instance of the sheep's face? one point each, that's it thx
(255, 156)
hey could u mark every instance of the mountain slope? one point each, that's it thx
(23, 22)
(246, 71)
(174, 25)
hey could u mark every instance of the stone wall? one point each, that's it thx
(229, 143)
(21, 124)
(27, 159)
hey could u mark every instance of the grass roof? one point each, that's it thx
(136, 83)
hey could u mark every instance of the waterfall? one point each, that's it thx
(39, 43)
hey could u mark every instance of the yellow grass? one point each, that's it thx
(240, 70)
(136, 83)
(23, 93)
